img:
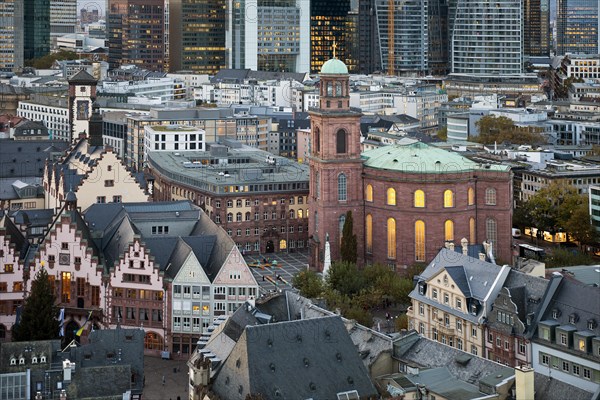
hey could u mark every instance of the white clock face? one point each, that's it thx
(64, 258)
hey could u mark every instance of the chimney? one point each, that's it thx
(451, 246)
(524, 382)
(482, 256)
(465, 246)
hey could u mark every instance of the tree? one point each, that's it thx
(348, 246)
(345, 278)
(442, 133)
(502, 129)
(579, 226)
(38, 319)
(48, 60)
(309, 284)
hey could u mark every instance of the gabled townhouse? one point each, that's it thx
(513, 320)
(93, 172)
(453, 298)
(566, 346)
(13, 251)
(74, 267)
(170, 269)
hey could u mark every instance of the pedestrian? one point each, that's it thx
(263, 278)
(163, 380)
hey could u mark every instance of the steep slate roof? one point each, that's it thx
(312, 358)
(27, 158)
(14, 236)
(82, 77)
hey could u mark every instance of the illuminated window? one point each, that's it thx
(419, 200)
(448, 199)
(419, 241)
(282, 244)
(369, 232)
(449, 230)
(369, 193)
(472, 230)
(391, 230)
(342, 193)
(490, 196)
(582, 344)
(471, 196)
(391, 196)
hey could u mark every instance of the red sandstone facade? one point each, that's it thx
(379, 225)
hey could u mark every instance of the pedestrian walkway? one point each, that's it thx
(175, 375)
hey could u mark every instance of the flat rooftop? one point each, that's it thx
(239, 170)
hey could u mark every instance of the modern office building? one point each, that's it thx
(536, 27)
(577, 30)
(10, 57)
(594, 201)
(63, 18)
(269, 35)
(329, 27)
(136, 31)
(36, 28)
(403, 35)
(486, 38)
(197, 35)
(369, 58)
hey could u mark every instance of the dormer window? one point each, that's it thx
(474, 309)
(42, 359)
(591, 324)
(555, 313)
(21, 360)
(34, 360)
(421, 289)
(573, 318)
(13, 361)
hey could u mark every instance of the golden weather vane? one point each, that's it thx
(334, 48)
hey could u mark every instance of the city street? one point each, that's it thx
(288, 265)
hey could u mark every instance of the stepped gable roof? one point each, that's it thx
(420, 158)
(120, 239)
(82, 77)
(311, 358)
(14, 236)
(161, 249)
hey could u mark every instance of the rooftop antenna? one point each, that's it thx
(334, 48)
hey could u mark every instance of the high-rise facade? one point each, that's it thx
(35, 28)
(403, 30)
(577, 27)
(330, 28)
(136, 30)
(63, 18)
(536, 27)
(369, 58)
(438, 37)
(486, 37)
(11, 51)
(197, 35)
(269, 35)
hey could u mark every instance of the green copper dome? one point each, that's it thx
(334, 66)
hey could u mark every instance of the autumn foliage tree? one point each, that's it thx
(38, 318)
(502, 129)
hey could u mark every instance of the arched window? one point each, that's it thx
(490, 196)
(341, 222)
(248, 216)
(238, 217)
(306, 215)
(419, 241)
(340, 141)
(419, 198)
(317, 140)
(316, 221)
(300, 213)
(342, 192)
(318, 184)
(472, 231)
(229, 217)
(391, 196)
(491, 232)
(471, 196)
(153, 341)
(448, 198)
(292, 214)
(369, 193)
(329, 89)
(391, 236)
(369, 232)
(449, 230)
(338, 89)
(282, 244)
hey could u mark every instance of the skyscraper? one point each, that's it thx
(536, 27)
(403, 30)
(486, 37)
(35, 28)
(577, 29)
(10, 56)
(197, 35)
(369, 58)
(63, 17)
(136, 33)
(270, 35)
(329, 25)
(438, 37)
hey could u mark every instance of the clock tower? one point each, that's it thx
(335, 166)
(82, 94)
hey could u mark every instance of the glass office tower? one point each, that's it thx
(577, 27)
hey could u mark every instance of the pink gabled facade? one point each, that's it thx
(136, 295)
(71, 259)
(12, 287)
